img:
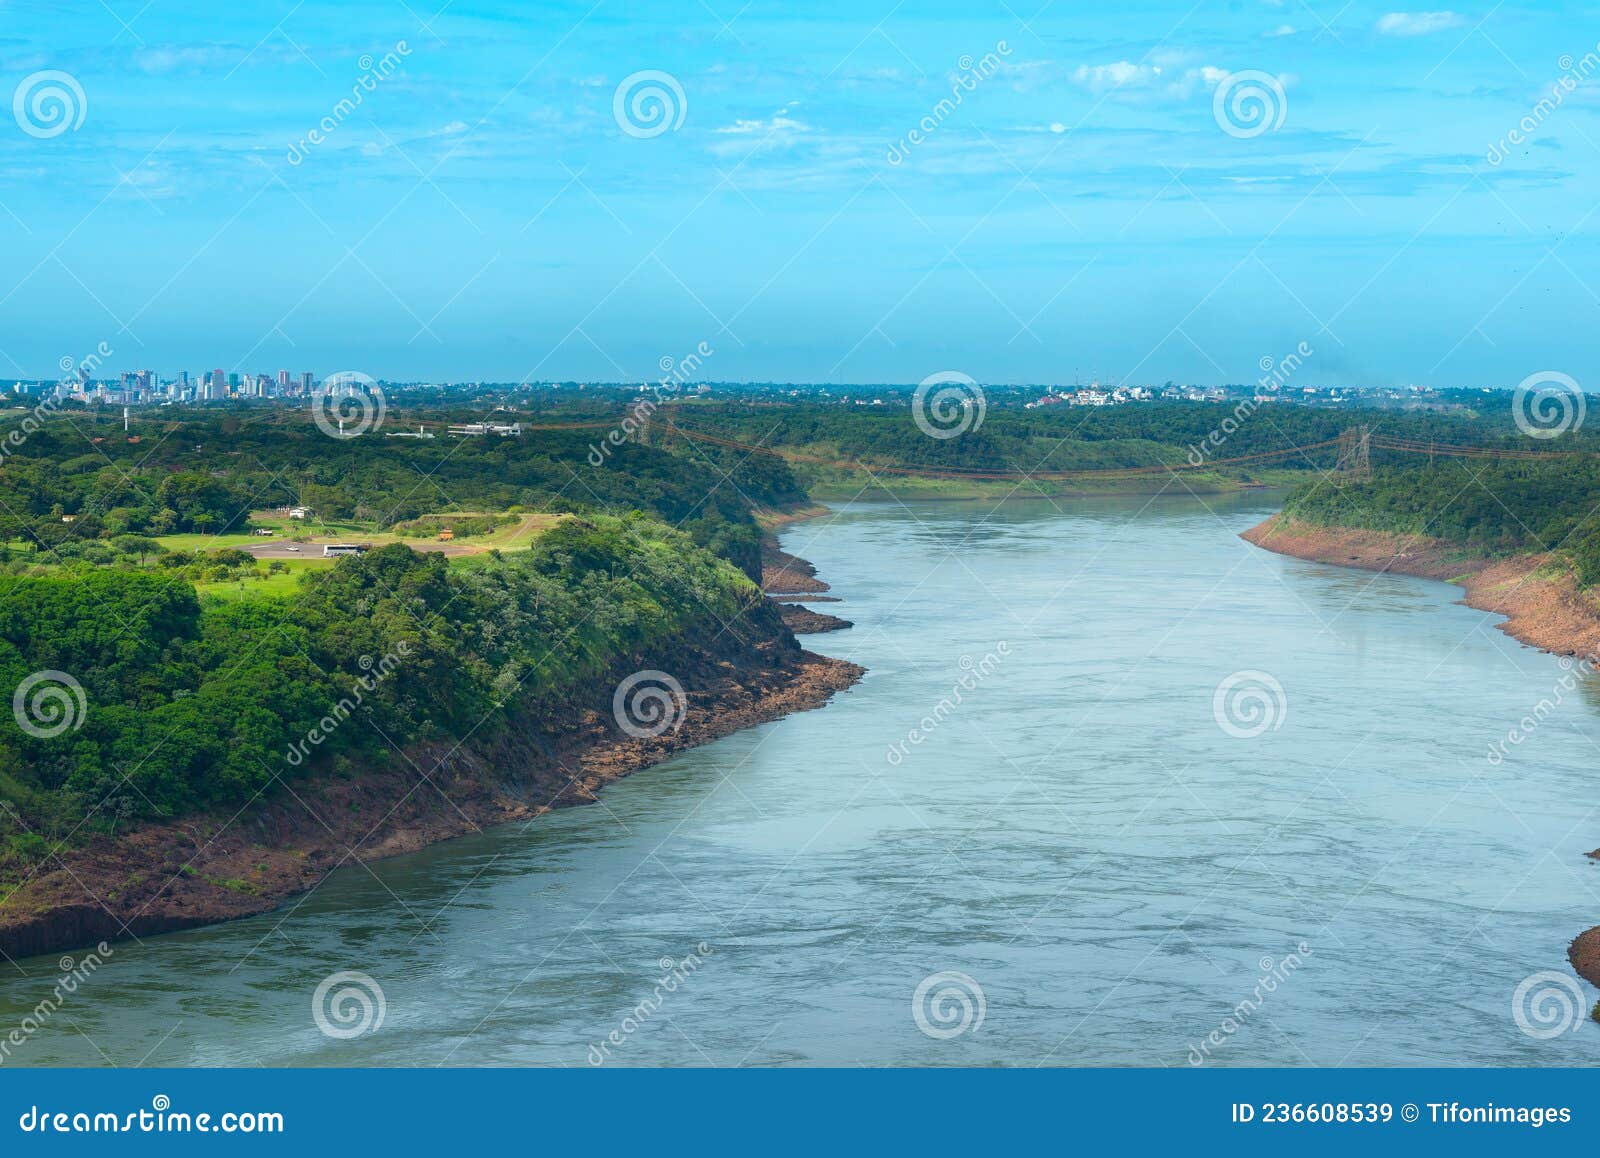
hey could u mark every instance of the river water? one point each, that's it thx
(1083, 845)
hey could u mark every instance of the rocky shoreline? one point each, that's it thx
(1538, 596)
(803, 620)
(786, 576)
(208, 868)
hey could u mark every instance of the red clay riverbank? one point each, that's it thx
(209, 868)
(1538, 596)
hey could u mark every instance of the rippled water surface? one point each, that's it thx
(1078, 836)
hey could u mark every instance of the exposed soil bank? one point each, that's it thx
(1539, 597)
(786, 574)
(210, 868)
(1584, 953)
(804, 621)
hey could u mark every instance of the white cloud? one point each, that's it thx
(779, 124)
(1161, 79)
(1417, 23)
(748, 136)
(1121, 74)
(1281, 30)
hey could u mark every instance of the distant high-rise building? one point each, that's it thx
(218, 377)
(283, 379)
(307, 380)
(233, 381)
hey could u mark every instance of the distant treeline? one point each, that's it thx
(1063, 437)
(203, 471)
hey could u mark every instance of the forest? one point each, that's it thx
(1501, 506)
(1083, 438)
(189, 706)
(192, 702)
(80, 486)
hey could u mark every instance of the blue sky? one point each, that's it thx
(484, 214)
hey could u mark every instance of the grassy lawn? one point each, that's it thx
(516, 536)
(283, 583)
(191, 543)
(472, 552)
(464, 552)
(282, 528)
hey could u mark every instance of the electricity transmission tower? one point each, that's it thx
(1355, 455)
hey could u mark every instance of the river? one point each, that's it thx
(1087, 850)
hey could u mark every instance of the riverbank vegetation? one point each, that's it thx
(1499, 507)
(188, 706)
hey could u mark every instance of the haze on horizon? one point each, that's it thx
(494, 208)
